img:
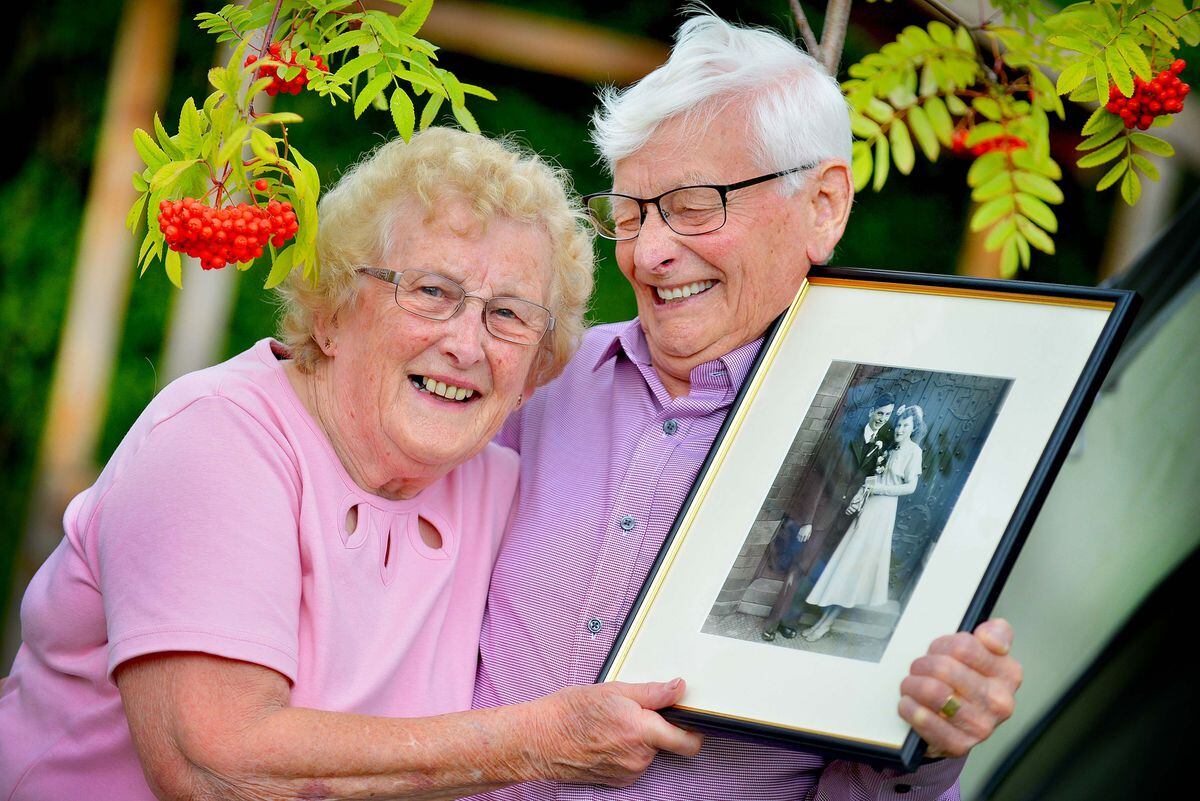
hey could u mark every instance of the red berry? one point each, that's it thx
(261, 184)
(1177, 65)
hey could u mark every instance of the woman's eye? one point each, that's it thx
(432, 291)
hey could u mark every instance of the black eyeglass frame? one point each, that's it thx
(394, 277)
(722, 189)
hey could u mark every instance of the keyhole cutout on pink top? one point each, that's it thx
(429, 534)
(351, 521)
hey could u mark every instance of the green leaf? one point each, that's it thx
(956, 105)
(263, 145)
(987, 107)
(174, 267)
(281, 267)
(1008, 257)
(1155, 26)
(879, 111)
(862, 127)
(191, 129)
(1131, 187)
(922, 129)
(1072, 76)
(140, 182)
(347, 40)
(939, 119)
(999, 184)
(983, 132)
(403, 114)
(941, 33)
(1152, 144)
(902, 147)
(370, 92)
(984, 168)
(1110, 177)
(882, 163)
(466, 119)
(1037, 211)
(164, 139)
(232, 147)
(278, 117)
(1000, 231)
(991, 211)
(135, 213)
(1073, 43)
(1101, 72)
(166, 175)
(860, 165)
(150, 152)
(1023, 249)
(429, 113)
(1103, 155)
(1038, 186)
(1144, 164)
(357, 65)
(414, 15)
(1036, 236)
(1097, 139)
(962, 38)
(1135, 57)
(1119, 71)
(1042, 166)
(1102, 120)
(477, 91)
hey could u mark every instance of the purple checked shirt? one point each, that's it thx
(607, 458)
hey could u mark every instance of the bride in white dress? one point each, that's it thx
(857, 573)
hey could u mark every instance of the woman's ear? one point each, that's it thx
(831, 199)
(325, 328)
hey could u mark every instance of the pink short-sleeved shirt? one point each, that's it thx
(219, 526)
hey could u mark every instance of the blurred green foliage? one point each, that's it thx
(53, 95)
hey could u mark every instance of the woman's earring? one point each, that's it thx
(328, 343)
(520, 399)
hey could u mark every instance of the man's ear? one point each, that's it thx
(832, 196)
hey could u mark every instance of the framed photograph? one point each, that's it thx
(868, 493)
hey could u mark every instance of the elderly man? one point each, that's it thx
(730, 178)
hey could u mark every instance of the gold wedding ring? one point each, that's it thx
(950, 707)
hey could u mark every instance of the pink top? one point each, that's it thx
(219, 526)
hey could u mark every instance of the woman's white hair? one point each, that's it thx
(797, 114)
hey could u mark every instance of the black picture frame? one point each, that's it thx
(1098, 348)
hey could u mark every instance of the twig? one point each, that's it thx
(806, 31)
(833, 34)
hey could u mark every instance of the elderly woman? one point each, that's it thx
(274, 588)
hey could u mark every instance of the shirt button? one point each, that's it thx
(903, 788)
(627, 523)
(670, 427)
(594, 625)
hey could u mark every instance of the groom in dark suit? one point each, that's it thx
(833, 485)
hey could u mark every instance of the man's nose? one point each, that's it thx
(656, 245)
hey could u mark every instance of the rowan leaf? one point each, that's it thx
(1036, 236)
(1100, 71)
(1131, 187)
(1104, 155)
(1038, 186)
(988, 107)
(466, 119)
(956, 105)
(862, 127)
(1101, 120)
(984, 168)
(347, 40)
(1022, 249)
(429, 113)
(922, 129)
(998, 185)
(403, 113)
(860, 165)
(357, 66)
(983, 132)
(1008, 257)
(135, 212)
(1110, 177)
(1000, 231)
(173, 265)
(1152, 144)
(1146, 166)
(281, 267)
(991, 211)
(1071, 77)
(1097, 139)
(149, 150)
(939, 118)
(1037, 211)
(882, 162)
(370, 92)
(902, 148)
(1135, 57)
(1119, 70)
(167, 174)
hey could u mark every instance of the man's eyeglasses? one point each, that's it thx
(687, 210)
(436, 297)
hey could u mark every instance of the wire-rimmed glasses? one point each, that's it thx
(436, 297)
(687, 210)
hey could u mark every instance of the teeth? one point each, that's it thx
(683, 291)
(447, 391)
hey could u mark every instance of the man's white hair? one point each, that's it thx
(796, 114)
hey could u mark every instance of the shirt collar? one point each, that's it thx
(721, 374)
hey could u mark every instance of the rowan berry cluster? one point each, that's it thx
(1163, 94)
(1004, 143)
(270, 69)
(229, 235)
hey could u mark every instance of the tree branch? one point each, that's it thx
(806, 31)
(833, 34)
